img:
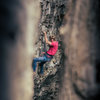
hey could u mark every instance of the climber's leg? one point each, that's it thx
(42, 63)
(35, 60)
(41, 67)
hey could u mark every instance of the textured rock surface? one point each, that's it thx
(82, 78)
(82, 37)
(52, 14)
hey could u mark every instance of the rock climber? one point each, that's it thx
(47, 56)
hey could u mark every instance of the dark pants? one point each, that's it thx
(42, 61)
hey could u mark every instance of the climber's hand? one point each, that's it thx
(44, 32)
(43, 53)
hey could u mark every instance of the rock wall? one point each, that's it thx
(82, 37)
(52, 15)
(18, 28)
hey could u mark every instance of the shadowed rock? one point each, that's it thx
(82, 38)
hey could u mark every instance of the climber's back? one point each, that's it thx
(53, 48)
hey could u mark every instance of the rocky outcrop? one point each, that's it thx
(81, 73)
(18, 21)
(52, 15)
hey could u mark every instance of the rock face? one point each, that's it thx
(81, 73)
(52, 15)
(18, 21)
(82, 37)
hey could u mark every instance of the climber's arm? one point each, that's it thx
(46, 39)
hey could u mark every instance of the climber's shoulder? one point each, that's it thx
(54, 43)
